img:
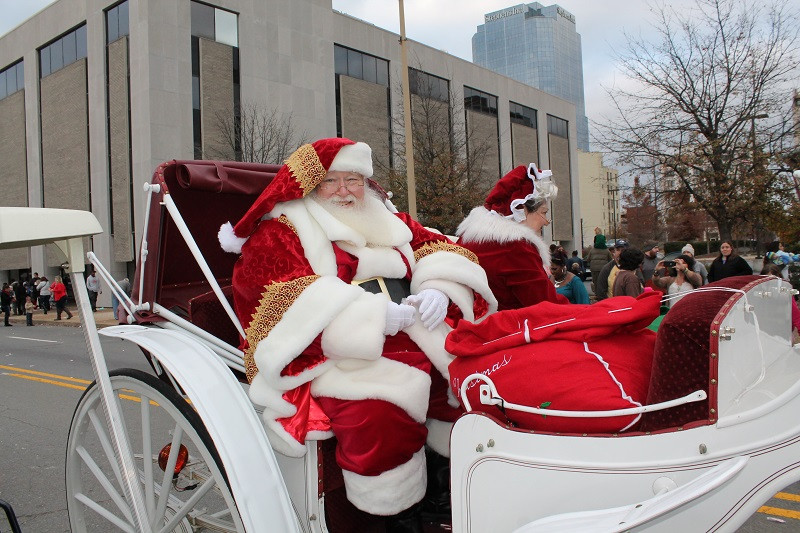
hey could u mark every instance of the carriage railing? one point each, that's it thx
(230, 355)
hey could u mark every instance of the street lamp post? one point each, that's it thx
(410, 179)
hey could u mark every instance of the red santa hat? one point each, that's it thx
(299, 175)
(517, 187)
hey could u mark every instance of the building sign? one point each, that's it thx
(503, 14)
(566, 14)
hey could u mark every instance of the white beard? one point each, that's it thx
(369, 217)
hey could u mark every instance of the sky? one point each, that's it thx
(450, 24)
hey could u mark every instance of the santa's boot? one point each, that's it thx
(436, 504)
(408, 521)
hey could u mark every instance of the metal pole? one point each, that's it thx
(410, 180)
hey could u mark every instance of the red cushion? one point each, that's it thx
(596, 358)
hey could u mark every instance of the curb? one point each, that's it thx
(103, 317)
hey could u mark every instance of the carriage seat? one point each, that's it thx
(207, 313)
(683, 361)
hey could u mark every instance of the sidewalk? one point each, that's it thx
(104, 316)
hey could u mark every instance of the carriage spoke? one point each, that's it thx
(169, 472)
(147, 454)
(105, 513)
(100, 430)
(189, 505)
(104, 482)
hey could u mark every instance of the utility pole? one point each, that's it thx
(410, 179)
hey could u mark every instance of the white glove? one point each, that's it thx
(432, 305)
(398, 316)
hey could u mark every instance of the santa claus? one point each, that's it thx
(343, 304)
(505, 235)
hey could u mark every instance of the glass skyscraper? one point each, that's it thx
(537, 45)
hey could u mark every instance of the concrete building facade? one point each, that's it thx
(600, 197)
(537, 45)
(98, 93)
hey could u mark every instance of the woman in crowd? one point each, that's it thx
(44, 294)
(59, 291)
(627, 282)
(682, 279)
(567, 284)
(505, 234)
(728, 263)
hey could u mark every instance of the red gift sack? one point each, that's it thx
(562, 357)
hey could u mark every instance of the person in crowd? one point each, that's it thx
(19, 297)
(29, 307)
(776, 254)
(33, 287)
(607, 276)
(678, 279)
(44, 294)
(580, 269)
(505, 234)
(93, 287)
(566, 283)
(771, 269)
(6, 299)
(125, 285)
(343, 304)
(728, 263)
(698, 267)
(627, 282)
(652, 256)
(597, 258)
(59, 291)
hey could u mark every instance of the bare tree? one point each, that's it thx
(695, 93)
(448, 158)
(259, 134)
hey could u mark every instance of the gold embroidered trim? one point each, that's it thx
(441, 246)
(276, 299)
(306, 168)
(283, 219)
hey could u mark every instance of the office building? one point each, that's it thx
(95, 94)
(537, 45)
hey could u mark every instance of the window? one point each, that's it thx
(476, 100)
(12, 79)
(428, 85)
(524, 115)
(117, 22)
(360, 65)
(216, 24)
(62, 52)
(557, 126)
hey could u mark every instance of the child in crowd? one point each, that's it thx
(29, 311)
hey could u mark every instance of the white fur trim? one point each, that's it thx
(482, 225)
(439, 436)
(459, 294)
(228, 239)
(316, 245)
(382, 379)
(353, 158)
(432, 343)
(389, 492)
(453, 267)
(357, 332)
(381, 261)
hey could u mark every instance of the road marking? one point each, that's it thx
(48, 381)
(29, 339)
(44, 374)
(788, 496)
(777, 511)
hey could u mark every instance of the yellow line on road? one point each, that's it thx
(48, 381)
(62, 384)
(788, 496)
(45, 374)
(777, 511)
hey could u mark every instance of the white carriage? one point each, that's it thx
(187, 451)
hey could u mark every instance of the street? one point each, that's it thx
(43, 371)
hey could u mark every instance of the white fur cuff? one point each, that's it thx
(228, 239)
(357, 332)
(389, 492)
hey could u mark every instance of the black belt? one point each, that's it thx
(396, 289)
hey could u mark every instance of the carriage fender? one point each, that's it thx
(627, 517)
(253, 473)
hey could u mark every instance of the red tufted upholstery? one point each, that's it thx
(682, 362)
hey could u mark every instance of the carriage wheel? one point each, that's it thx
(163, 430)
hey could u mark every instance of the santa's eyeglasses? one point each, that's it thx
(351, 183)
